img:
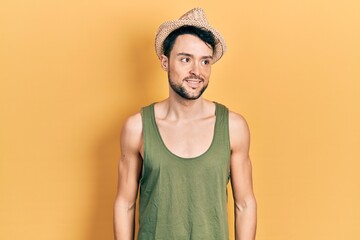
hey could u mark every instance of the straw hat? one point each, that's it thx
(195, 17)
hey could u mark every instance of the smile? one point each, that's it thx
(193, 83)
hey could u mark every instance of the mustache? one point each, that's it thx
(194, 77)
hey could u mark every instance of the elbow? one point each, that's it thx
(122, 204)
(245, 205)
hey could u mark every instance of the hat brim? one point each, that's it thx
(166, 28)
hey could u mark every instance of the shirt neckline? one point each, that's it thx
(175, 155)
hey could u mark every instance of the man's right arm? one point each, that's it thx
(128, 181)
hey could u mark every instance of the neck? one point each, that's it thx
(179, 108)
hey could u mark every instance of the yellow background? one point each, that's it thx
(72, 71)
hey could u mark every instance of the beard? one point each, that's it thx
(182, 92)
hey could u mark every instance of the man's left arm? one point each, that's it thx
(241, 179)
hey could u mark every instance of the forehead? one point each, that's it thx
(191, 44)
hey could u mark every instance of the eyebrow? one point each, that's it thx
(190, 55)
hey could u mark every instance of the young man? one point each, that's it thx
(183, 150)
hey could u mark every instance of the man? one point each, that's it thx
(183, 150)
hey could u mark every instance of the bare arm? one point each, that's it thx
(241, 179)
(129, 171)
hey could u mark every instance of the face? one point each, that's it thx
(188, 66)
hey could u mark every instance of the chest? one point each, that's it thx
(187, 139)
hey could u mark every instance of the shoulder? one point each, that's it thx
(133, 123)
(237, 122)
(131, 132)
(239, 130)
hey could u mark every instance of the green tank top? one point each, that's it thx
(184, 198)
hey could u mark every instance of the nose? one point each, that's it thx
(195, 69)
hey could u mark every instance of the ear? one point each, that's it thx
(164, 62)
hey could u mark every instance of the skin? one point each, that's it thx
(186, 115)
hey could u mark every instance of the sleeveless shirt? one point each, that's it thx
(184, 198)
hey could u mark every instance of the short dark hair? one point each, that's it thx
(205, 35)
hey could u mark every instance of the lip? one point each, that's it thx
(193, 83)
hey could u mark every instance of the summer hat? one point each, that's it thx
(195, 17)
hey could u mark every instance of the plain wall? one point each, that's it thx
(72, 71)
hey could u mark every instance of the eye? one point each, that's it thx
(205, 61)
(185, 60)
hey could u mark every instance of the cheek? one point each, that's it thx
(178, 70)
(207, 72)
